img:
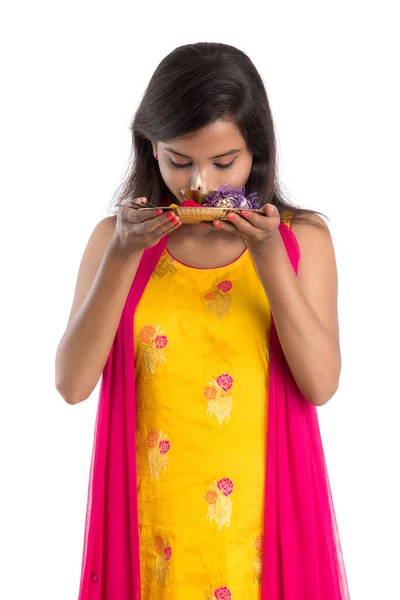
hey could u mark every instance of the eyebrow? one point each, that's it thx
(212, 157)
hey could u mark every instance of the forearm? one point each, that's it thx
(311, 353)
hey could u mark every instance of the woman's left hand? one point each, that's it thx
(256, 230)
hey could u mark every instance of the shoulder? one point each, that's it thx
(106, 226)
(311, 220)
(311, 233)
(101, 235)
(99, 238)
(314, 240)
(314, 222)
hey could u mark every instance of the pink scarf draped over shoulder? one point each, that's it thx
(302, 553)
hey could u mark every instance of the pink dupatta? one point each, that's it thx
(302, 552)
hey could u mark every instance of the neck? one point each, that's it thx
(197, 231)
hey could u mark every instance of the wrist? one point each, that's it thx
(268, 247)
(119, 251)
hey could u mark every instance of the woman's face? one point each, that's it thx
(206, 159)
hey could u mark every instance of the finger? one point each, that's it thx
(131, 202)
(243, 226)
(165, 229)
(148, 222)
(224, 226)
(136, 215)
(259, 221)
(206, 225)
(159, 221)
(271, 210)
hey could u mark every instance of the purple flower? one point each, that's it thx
(230, 196)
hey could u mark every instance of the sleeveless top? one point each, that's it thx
(201, 360)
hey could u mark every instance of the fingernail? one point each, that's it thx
(245, 213)
(203, 226)
(171, 216)
(217, 224)
(231, 217)
(158, 212)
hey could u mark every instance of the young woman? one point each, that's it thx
(216, 345)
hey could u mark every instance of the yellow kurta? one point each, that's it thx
(201, 352)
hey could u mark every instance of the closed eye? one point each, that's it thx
(186, 165)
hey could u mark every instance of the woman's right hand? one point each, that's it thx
(137, 230)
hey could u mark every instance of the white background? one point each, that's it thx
(73, 74)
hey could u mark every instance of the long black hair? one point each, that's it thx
(192, 87)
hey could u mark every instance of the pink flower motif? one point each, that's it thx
(226, 486)
(168, 552)
(224, 286)
(225, 381)
(164, 446)
(223, 593)
(161, 341)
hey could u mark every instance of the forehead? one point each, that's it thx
(216, 136)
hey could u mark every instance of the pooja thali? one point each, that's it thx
(193, 209)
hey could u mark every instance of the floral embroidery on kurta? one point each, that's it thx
(159, 447)
(164, 553)
(219, 502)
(221, 593)
(219, 299)
(182, 407)
(153, 345)
(219, 398)
(258, 561)
(166, 265)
